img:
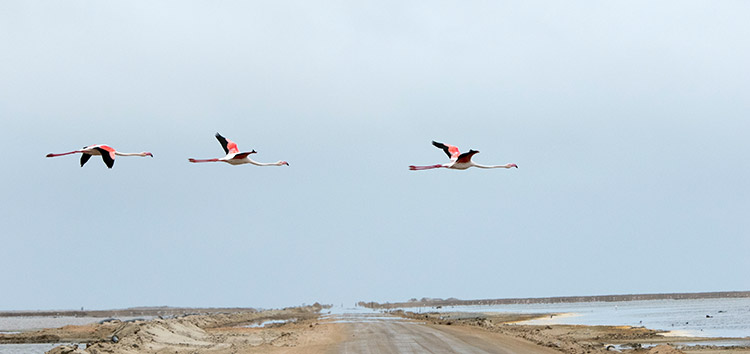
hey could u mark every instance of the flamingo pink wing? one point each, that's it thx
(109, 149)
(454, 151)
(450, 150)
(230, 147)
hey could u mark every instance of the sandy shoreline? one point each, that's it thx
(305, 330)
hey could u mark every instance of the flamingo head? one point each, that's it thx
(283, 163)
(512, 165)
(146, 153)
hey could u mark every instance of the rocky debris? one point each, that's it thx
(285, 339)
(154, 336)
(611, 348)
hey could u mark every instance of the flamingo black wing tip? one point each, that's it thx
(443, 147)
(84, 158)
(223, 141)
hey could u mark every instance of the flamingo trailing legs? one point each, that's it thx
(106, 152)
(459, 161)
(235, 157)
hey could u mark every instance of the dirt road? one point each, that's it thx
(367, 333)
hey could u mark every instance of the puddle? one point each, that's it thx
(31, 348)
(269, 322)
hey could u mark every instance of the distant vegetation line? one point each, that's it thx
(129, 312)
(430, 302)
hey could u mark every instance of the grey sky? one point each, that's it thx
(628, 120)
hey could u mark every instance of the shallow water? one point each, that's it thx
(727, 318)
(265, 323)
(35, 348)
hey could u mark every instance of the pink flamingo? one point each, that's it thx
(235, 157)
(458, 161)
(107, 153)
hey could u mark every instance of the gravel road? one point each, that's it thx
(367, 333)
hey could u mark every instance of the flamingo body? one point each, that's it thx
(234, 156)
(105, 151)
(458, 161)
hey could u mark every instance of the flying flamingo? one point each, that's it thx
(235, 157)
(107, 153)
(458, 161)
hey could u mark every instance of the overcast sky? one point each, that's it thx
(628, 121)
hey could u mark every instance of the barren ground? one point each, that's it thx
(304, 330)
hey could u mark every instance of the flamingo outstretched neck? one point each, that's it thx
(496, 166)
